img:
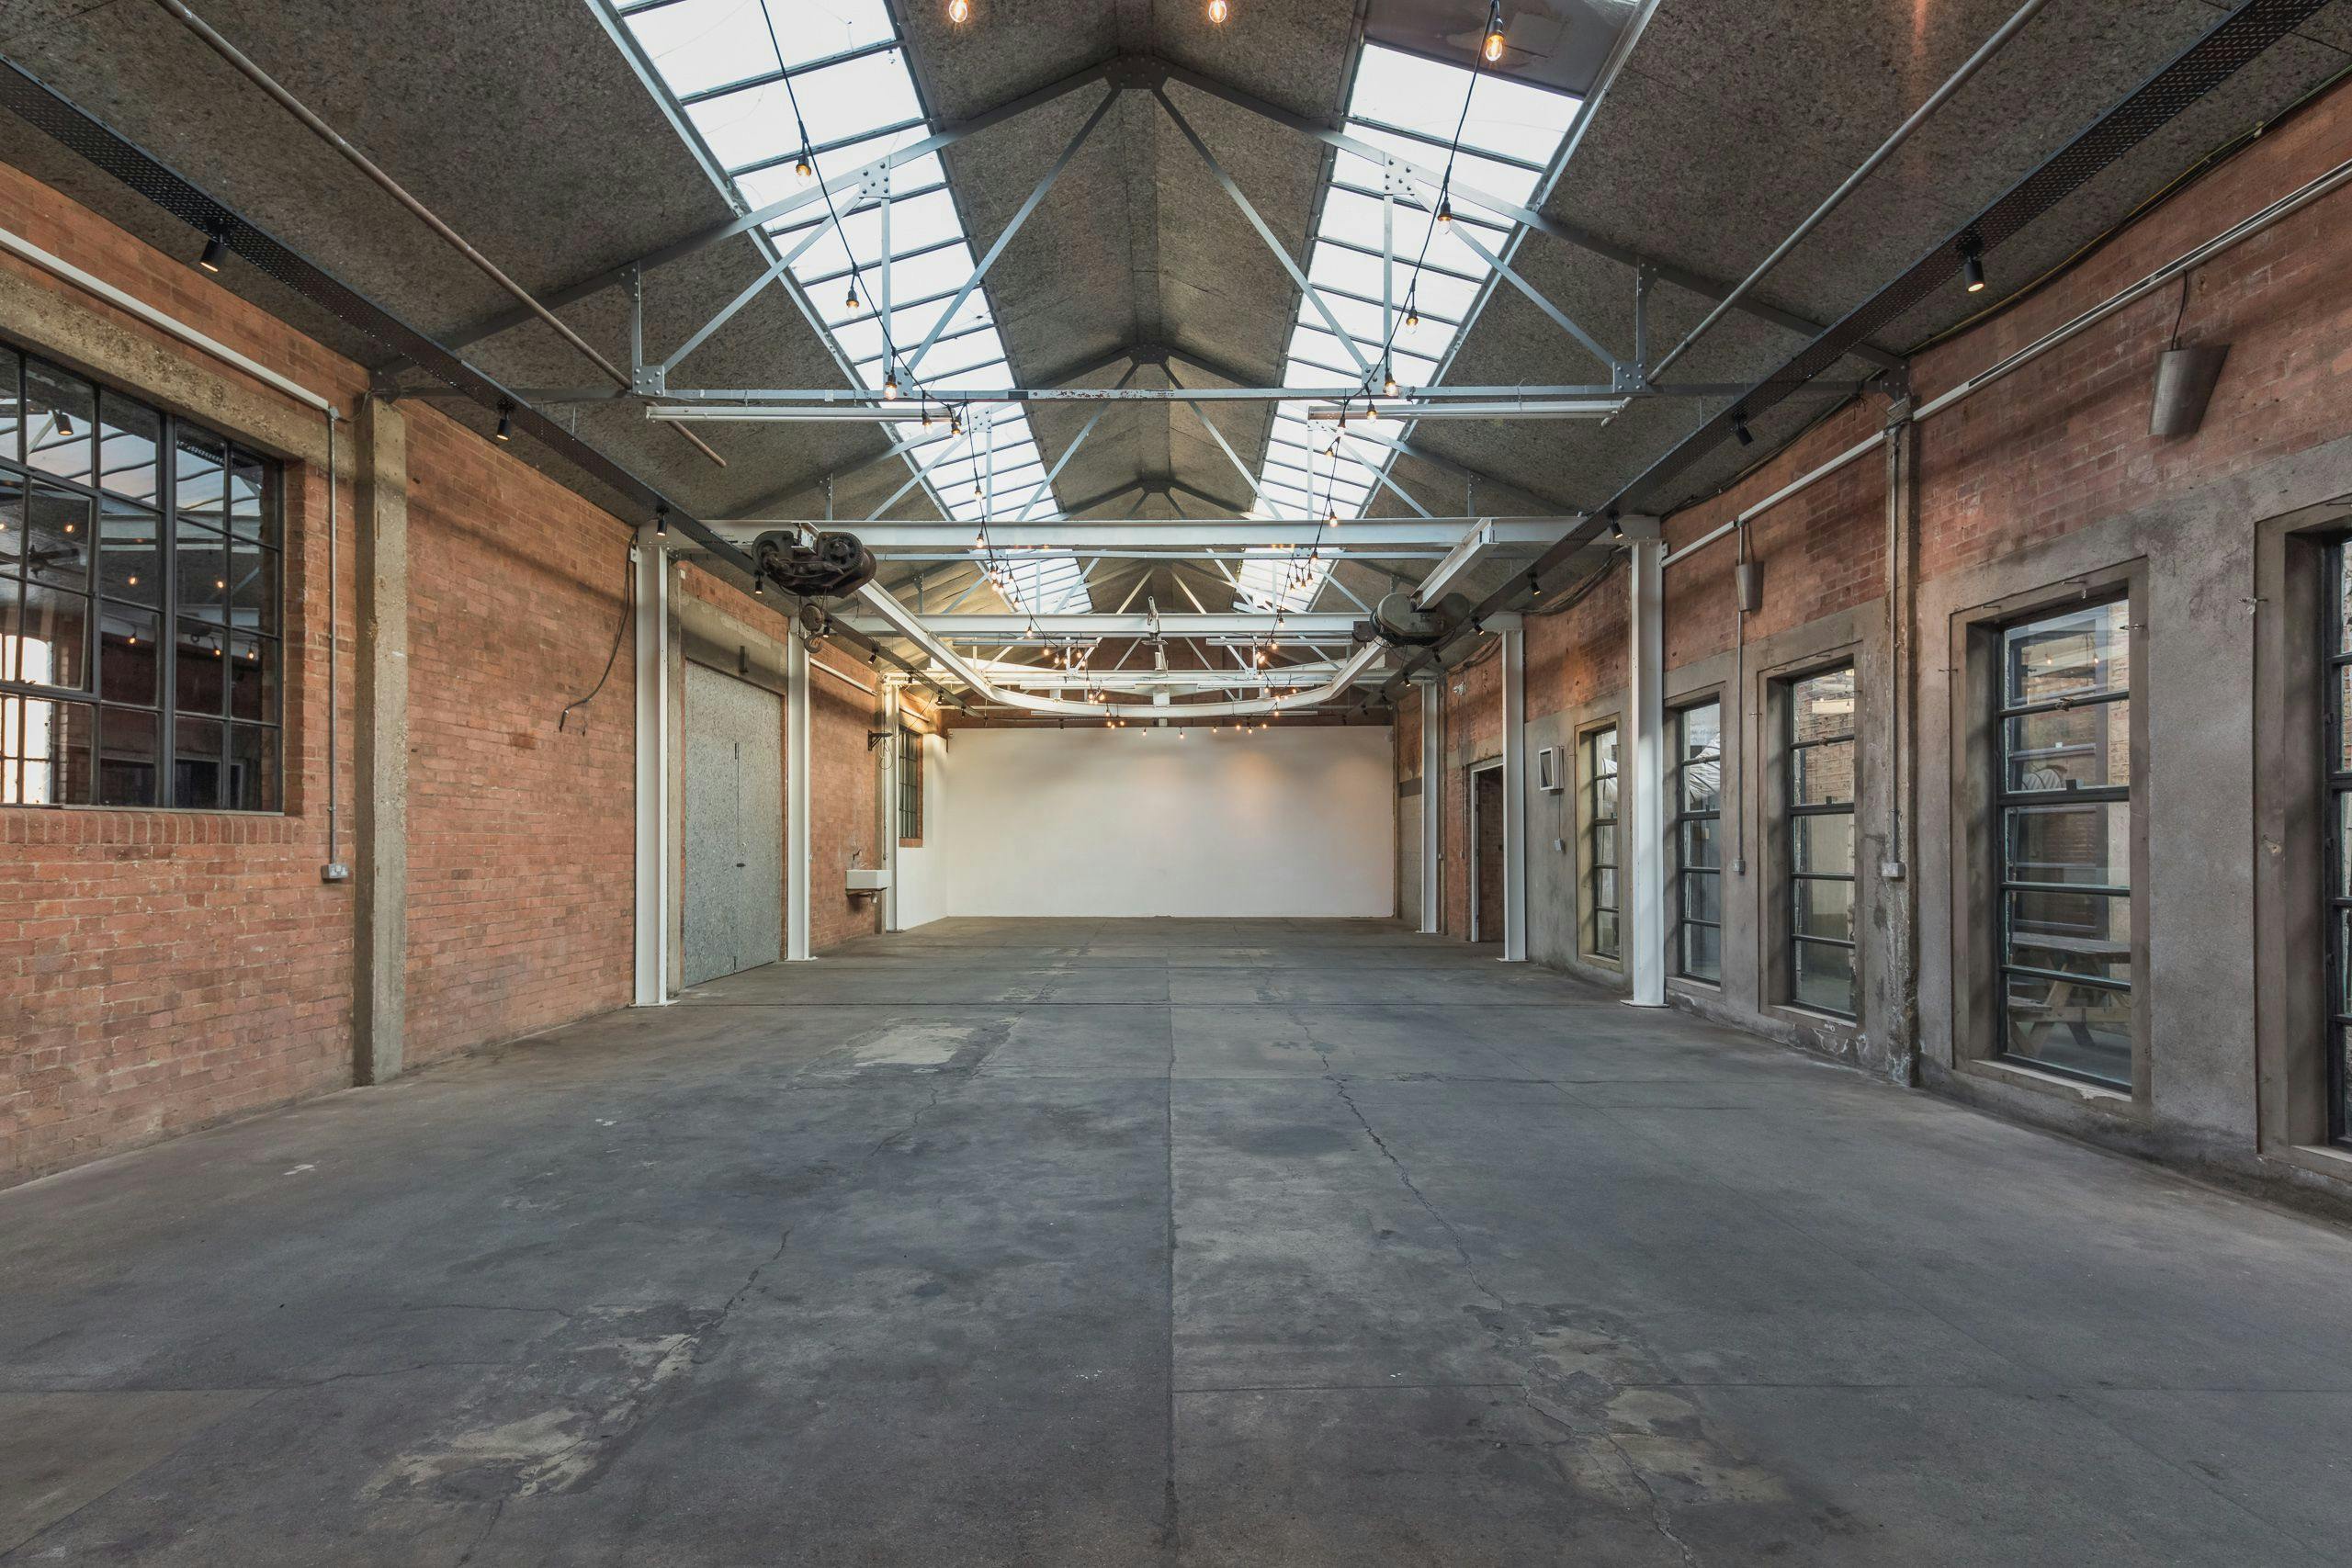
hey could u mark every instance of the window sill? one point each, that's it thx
(910, 843)
(2333, 1160)
(2100, 1098)
(1845, 1023)
(1692, 982)
(86, 806)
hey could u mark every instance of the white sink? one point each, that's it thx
(868, 879)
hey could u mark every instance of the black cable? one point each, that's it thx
(629, 607)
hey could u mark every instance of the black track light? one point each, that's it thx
(216, 251)
(1535, 586)
(1740, 430)
(1972, 264)
(660, 522)
(505, 431)
(759, 585)
(64, 425)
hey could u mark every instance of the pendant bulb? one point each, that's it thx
(804, 167)
(959, 11)
(1219, 11)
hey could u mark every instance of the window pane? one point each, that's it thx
(1604, 932)
(11, 403)
(251, 491)
(2078, 933)
(53, 638)
(60, 423)
(200, 467)
(2344, 719)
(1702, 953)
(1604, 887)
(129, 541)
(2344, 845)
(253, 676)
(199, 764)
(2085, 841)
(130, 654)
(1702, 842)
(2076, 1029)
(2343, 582)
(44, 752)
(2082, 748)
(199, 681)
(253, 768)
(1824, 977)
(2071, 654)
(1821, 775)
(127, 771)
(202, 559)
(1824, 909)
(1821, 706)
(1604, 796)
(1703, 896)
(1823, 844)
(57, 537)
(253, 587)
(129, 433)
(1604, 844)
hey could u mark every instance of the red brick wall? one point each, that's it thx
(522, 840)
(162, 970)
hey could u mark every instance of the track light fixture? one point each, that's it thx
(1972, 264)
(759, 585)
(1740, 430)
(64, 425)
(1535, 586)
(505, 431)
(660, 522)
(216, 251)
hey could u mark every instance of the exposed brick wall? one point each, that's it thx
(522, 840)
(162, 970)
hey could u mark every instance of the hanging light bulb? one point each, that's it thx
(849, 300)
(1412, 318)
(1219, 11)
(1445, 211)
(1493, 47)
(804, 167)
(1388, 383)
(890, 388)
(959, 11)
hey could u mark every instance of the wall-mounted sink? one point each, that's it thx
(868, 878)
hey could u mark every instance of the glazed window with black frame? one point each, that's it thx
(1601, 839)
(1819, 800)
(910, 783)
(2062, 792)
(1696, 787)
(2337, 769)
(139, 604)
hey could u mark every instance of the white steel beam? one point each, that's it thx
(1433, 685)
(1003, 627)
(1088, 536)
(799, 782)
(651, 668)
(1470, 552)
(1642, 795)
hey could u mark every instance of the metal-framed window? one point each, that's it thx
(910, 784)
(2063, 795)
(1696, 787)
(1601, 839)
(1819, 800)
(2336, 771)
(140, 604)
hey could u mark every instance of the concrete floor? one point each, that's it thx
(1057, 1243)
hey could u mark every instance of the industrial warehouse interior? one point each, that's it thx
(1213, 781)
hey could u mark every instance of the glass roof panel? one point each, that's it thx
(846, 115)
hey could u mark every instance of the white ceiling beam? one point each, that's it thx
(1091, 535)
(1007, 628)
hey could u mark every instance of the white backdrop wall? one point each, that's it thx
(922, 885)
(1136, 822)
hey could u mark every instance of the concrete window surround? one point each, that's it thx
(1580, 868)
(1681, 701)
(1768, 859)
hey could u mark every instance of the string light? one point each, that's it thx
(804, 167)
(1493, 49)
(849, 300)
(1219, 11)
(890, 390)
(959, 11)
(1388, 383)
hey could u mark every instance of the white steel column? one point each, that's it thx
(1433, 796)
(652, 565)
(1513, 632)
(1643, 790)
(893, 721)
(798, 781)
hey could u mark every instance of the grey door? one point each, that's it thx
(734, 888)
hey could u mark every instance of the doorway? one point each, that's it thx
(734, 807)
(1486, 852)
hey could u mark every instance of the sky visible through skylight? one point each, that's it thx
(1405, 105)
(840, 62)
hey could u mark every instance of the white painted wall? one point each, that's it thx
(1136, 822)
(922, 876)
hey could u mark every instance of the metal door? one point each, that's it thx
(734, 797)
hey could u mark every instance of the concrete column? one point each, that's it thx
(1513, 632)
(656, 849)
(379, 987)
(1894, 884)
(798, 781)
(892, 719)
(1432, 798)
(1641, 791)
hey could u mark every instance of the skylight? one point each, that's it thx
(1407, 106)
(843, 67)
